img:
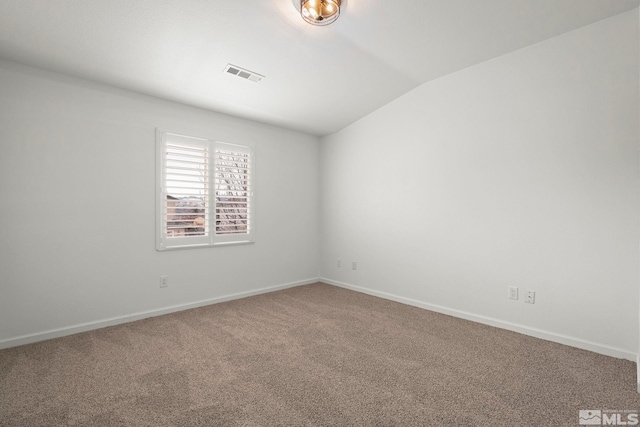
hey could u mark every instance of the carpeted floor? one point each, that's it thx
(315, 355)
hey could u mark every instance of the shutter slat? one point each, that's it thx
(188, 179)
(177, 170)
(240, 186)
(197, 149)
(185, 153)
(181, 182)
(185, 196)
(188, 164)
(187, 191)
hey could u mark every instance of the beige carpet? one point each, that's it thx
(314, 355)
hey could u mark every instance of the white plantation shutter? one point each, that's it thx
(232, 192)
(205, 194)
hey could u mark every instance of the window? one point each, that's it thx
(204, 192)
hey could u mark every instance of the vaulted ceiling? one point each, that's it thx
(318, 79)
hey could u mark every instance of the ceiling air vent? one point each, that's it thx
(241, 72)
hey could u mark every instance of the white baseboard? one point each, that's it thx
(534, 332)
(89, 326)
(526, 330)
(638, 372)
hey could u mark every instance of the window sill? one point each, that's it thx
(207, 245)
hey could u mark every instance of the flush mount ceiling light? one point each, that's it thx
(320, 12)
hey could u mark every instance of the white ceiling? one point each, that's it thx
(318, 79)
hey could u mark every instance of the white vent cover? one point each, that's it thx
(241, 72)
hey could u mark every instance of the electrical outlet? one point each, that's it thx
(513, 292)
(164, 281)
(339, 263)
(530, 297)
(354, 265)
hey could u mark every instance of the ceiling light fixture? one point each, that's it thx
(320, 12)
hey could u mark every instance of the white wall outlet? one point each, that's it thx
(339, 263)
(354, 265)
(513, 292)
(164, 281)
(530, 297)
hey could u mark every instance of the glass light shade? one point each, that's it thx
(320, 12)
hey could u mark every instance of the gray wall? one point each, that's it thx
(520, 171)
(77, 180)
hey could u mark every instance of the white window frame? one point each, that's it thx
(211, 237)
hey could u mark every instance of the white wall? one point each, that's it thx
(77, 207)
(520, 171)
